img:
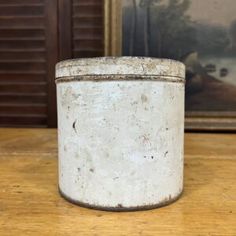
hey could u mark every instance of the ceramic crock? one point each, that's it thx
(120, 132)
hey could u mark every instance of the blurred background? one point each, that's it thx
(34, 35)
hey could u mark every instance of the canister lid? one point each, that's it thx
(125, 67)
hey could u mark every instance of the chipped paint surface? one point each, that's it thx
(167, 69)
(120, 136)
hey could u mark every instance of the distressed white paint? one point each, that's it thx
(121, 66)
(121, 142)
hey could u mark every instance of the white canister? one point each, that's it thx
(120, 132)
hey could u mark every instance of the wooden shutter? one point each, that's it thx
(30, 31)
(28, 52)
(87, 28)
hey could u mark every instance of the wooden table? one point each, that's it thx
(30, 203)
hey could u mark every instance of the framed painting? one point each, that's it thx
(200, 33)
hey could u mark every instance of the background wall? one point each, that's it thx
(34, 35)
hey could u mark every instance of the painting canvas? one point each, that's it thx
(201, 34)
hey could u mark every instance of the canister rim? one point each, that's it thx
(121, 66)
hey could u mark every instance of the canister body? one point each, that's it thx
(120, 142)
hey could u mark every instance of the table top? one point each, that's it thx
(30, 203)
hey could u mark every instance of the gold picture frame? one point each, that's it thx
(194, 121)
(112, 27)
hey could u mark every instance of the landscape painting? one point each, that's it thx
(201, 34)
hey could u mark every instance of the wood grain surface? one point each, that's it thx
(30, 203)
